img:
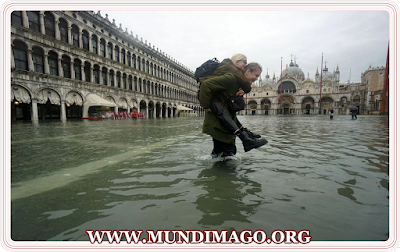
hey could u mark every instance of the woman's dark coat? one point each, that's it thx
(225, 81)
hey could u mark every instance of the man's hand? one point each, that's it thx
(240, 92)
(209, 110)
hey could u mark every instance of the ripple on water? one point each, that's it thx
(330, 177)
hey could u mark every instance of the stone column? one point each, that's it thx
(30, 61)
(83, 73)
(42, 28)
(34, 113)
(12, 57)
(25, 20)
(60, 69)
(72, 71)
(63, 115)
(90, 41)
(91, 75)
(46, 64)
(80, 39)
(101, 82)
(70, 34)
(57, 29)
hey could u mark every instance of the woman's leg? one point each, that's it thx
(223, 149)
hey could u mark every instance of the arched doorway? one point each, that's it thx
(20, 103)
(49, 105)
(158, 110)
(266, 106)
(286, 105)
(326, 103)
(307, 106)
(143, 106)
(73, 104)
(151, 109)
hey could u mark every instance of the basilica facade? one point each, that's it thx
(78, 64)
(297, 94)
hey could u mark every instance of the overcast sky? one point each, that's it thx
(348, 39)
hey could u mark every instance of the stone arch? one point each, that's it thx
(326, 103)
(74, 97)
(20, 103)
(122, 104)
(307, 105)
(266, 105)
(142, 106)
(286, 104)
(288, 87)
(49, 103)
(74, 104)
(20, 94)
(151, 109)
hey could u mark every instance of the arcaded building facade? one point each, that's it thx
(78, 64)
(374, 79)
(297, 94)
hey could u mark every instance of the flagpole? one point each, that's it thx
(320, 86)
(280, 97)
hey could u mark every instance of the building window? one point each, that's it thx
(66, 65)
(16, 17)
(118, 79)
(85, 40)
(124, 86)
(135, 84)
(87, 71)
(116, 53)
(111, 78)
(49, 24)
(130, 82)
(75, 35)
(128, 57)
(53, 63)
(104, 76)
(103, 48)
(20, 55)
(96, 74)
(94, 44)
(110, 51)
(123, 60)
(134, 61)
(77, 70)
(34, 20)
(37, 57)
(63, 30)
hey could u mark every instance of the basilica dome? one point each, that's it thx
(294, 70)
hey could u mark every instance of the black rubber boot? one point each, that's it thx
(250, 143)
(251, 134)
(223, 116)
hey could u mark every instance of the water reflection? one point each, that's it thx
(226, 190)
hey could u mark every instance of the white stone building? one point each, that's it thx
(74, 64)
(297, 94)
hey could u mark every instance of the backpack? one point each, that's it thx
(206, 69)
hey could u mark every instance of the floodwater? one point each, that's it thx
(326, 176)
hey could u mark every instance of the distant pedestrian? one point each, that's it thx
(354, 114)
(134, 114)
(331, 114)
